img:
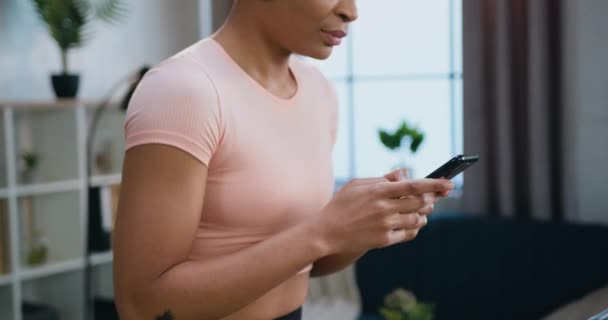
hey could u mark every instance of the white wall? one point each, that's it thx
(586, 96)
(220, 11)
(154, 30)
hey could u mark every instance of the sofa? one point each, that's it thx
(478, 267)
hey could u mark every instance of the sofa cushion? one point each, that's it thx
(476, 267)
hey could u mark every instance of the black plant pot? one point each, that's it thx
(65, 85)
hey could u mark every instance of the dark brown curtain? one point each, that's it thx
(513, 111)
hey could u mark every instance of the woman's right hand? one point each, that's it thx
(374, 212)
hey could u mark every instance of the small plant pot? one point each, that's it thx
(65, 85)
(29, 176)
(38, 254)
(402, 160)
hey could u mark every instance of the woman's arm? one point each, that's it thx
(334, 263)
(161, 202)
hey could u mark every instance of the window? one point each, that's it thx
(401, 61)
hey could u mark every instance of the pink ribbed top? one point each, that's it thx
(269, 159)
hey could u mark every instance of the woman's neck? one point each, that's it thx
(259, 56)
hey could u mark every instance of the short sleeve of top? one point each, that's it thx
(175, 104)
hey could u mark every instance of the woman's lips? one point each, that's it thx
(333, 38)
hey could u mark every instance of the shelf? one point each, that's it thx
(46, 203)
(49, 187)
(97, 259)
(30, 273)
(5, 243)
(107, 148)
(3, 164)
(6, 303)
(50, 105)
(106, 180)
(50, 269)
(53, 219)
(50, 140)
(6, 279)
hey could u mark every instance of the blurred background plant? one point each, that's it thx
(31, 159)
(69, 24)
(38, 253)
(68, 21)
(30, 163)
(403, 305)
(393, 141)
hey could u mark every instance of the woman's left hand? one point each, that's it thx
(430, 198)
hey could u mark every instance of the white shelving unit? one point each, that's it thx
(48, 188)
(6, 279)
(104, 181)
(51, 202)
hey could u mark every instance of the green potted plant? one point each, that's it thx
(30, 163)
(68, 23)
(38, 253)
(403, 305)
(393, 141)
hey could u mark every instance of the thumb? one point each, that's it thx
(397, 175)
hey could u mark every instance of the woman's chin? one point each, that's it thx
(320, 53)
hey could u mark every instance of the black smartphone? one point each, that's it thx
(454, 167)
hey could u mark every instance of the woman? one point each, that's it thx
(226, 205)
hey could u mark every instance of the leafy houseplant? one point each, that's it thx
(31, 160)
(393, 140)
(68, 23)
(38, 253)
(403, 305)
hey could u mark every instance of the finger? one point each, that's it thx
(429, 198)
(364, 181)
(405, 221)
(444, 194)
(423, 220)
(397, 175)
(401, 235)
(411, 203)
(427, 210)
(397, 189)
